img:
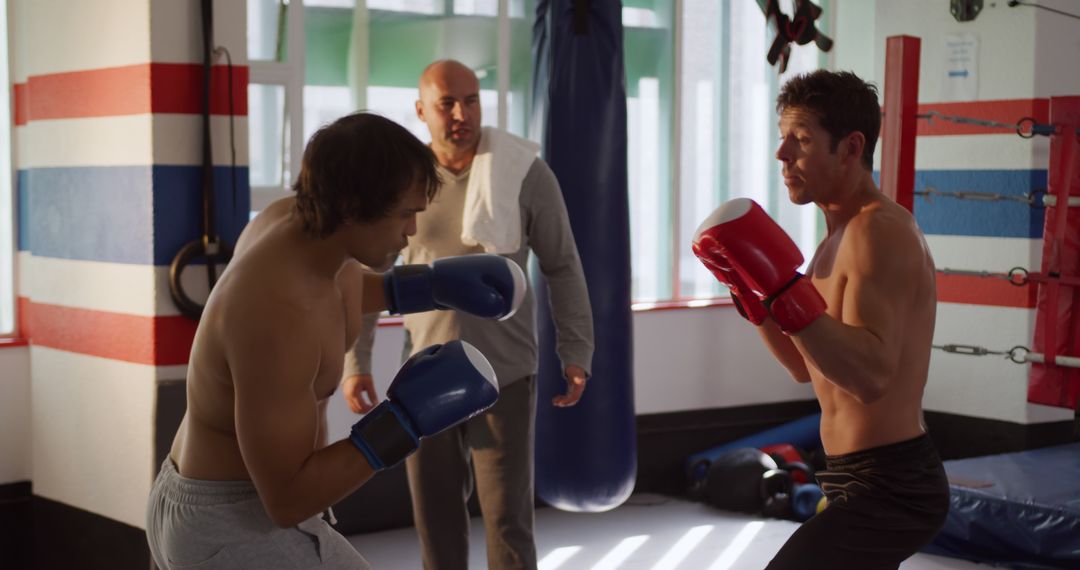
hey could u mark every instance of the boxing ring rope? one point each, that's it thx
(1018, 354)
(1031, 198)
(1049, 382)
(1017, 276)
(1026, 127)
(1050, 200)
(1036, 198)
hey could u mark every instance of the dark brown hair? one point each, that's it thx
(842, 102)
(357, 169)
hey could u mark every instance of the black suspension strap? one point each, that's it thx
(210, 247)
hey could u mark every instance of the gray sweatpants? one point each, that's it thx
(222, 524)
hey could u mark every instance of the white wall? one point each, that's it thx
(14, 414)
(686, 359)
(92, 428)
(705, 358)
(854, 34)
(1006, 57)
(1057, 49)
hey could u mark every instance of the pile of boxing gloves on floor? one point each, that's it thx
(776, 481)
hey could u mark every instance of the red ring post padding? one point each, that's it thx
(1057, 324)
(900, 122)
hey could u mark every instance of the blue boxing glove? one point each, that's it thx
(805, 501)
(483, 284)
(439, 387)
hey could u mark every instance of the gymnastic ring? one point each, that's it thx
(1023, 276)
(191, 251)
(1020, 127)
(1018, 354)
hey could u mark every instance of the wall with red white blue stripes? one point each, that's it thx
(107, 99)
(1018, 67)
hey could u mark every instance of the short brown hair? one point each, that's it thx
(842, 102)
(357, 168)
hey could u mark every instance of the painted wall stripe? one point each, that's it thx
(106, 214)
(177, 88)
(102, 214)
(134, 289)
(94, 141)
(951, 216)
(93, 285)
(22, 317)
(1008, 111)
(129, 140)
(22, 206)
(980, 386)
(178, 139)
(178, 207)
(982, 291)
(100, 92)
(19, 103)
(116, 336)
(995, 328)
(982, 152)
(161, 371)
(984, 253)
(130, 90)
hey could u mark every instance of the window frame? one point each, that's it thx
(9, 240)
(290, 75)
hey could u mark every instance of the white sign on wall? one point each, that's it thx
(961, 81)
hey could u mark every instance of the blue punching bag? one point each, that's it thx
(586, 455)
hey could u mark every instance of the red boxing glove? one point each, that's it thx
(708, 251)
(765, 257)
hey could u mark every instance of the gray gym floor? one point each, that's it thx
(648, 533)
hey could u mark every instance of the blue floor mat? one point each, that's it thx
(1016, 509)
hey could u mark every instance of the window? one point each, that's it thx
(700, 118)
(384, 45)
(7, 199)
(702, 129)
(307, 57)
(648, 45)
(275, 96)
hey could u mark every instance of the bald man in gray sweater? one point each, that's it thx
(497, 445)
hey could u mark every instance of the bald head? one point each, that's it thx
(446, 70)
(449, 105)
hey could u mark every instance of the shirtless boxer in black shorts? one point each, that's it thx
(858, 326)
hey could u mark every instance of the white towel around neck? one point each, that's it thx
(492, 214)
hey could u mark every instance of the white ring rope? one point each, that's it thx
(1017, 354)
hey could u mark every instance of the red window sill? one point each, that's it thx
(13, 342)
(681, 305)
(640, 307)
